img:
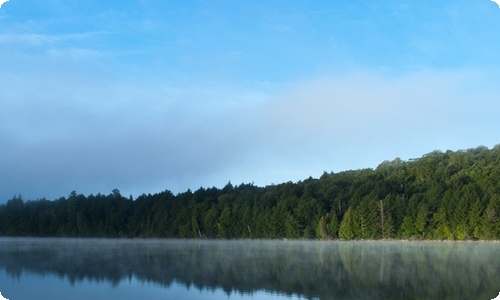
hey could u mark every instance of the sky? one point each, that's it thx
(152, 95)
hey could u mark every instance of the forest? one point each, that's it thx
(452, 195)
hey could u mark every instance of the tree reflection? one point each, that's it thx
(324, 270)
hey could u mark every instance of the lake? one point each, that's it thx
(50, 268)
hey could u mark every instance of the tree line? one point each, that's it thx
(452, 195)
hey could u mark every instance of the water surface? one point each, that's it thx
(33, 268)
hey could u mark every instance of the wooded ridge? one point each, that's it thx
(452, 195)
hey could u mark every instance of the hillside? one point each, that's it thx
(452, 195)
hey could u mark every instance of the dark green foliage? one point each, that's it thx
(450, 195)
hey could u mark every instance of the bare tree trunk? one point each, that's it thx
(198, 227)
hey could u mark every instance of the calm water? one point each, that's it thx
(193, 269)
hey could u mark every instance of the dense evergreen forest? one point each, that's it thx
(442, 195)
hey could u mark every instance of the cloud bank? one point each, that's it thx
(92, 136)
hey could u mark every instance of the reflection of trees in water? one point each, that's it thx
(328, 270)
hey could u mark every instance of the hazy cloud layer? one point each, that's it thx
(94, 137)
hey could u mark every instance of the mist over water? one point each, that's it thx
(239, 269)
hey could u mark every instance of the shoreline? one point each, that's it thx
(247, 240)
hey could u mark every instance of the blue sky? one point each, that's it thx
(150, 95)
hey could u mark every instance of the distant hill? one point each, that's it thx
(452, 195)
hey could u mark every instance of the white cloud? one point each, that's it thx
(35, 39)
(2, 2)
(26, 39)
(364, 106)
(95, 133)
(355, 121)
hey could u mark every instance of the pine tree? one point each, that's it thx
(475, 220)
(333, 224)
(346, 229)
(421, 220)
